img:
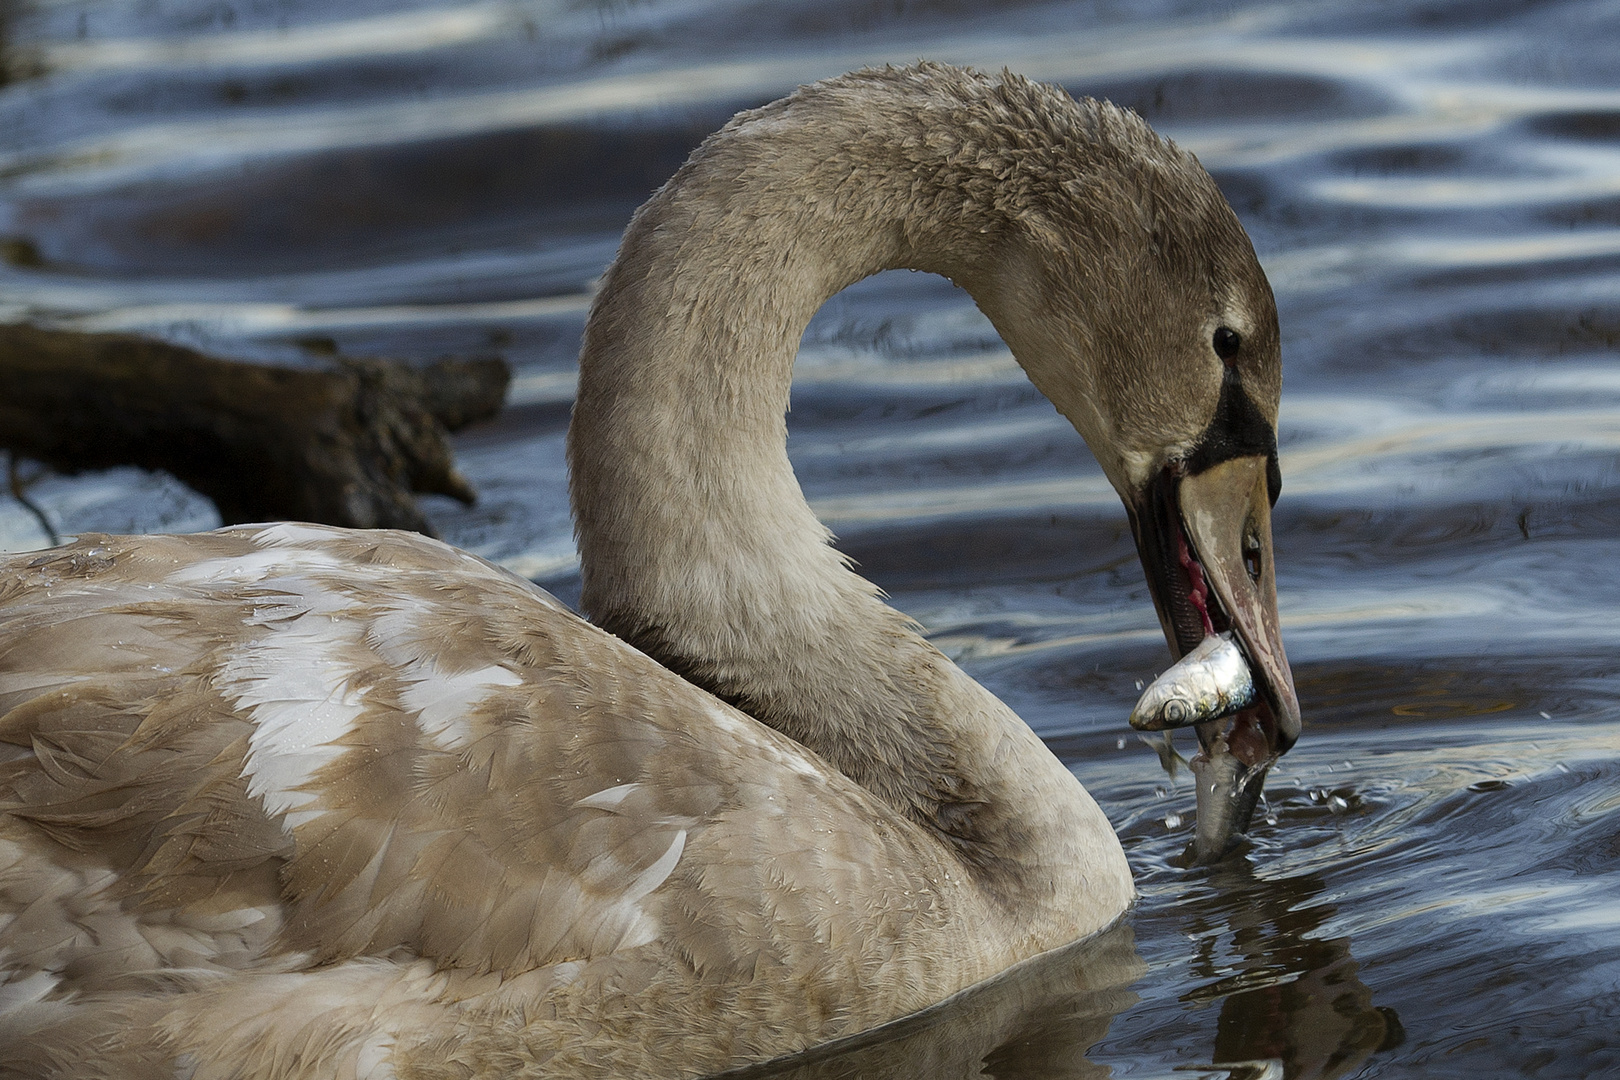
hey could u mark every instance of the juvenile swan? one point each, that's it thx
(287, 801)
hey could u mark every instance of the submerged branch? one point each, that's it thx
(347, 445)
(19, 491)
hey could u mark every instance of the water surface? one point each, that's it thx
(1434, 189)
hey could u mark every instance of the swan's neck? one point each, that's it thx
(696, 540)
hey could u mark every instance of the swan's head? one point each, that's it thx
(1132, 296)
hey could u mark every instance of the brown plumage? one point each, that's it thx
(297, 802)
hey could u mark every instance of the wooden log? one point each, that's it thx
(349, 444)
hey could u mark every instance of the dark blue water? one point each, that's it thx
(1435, 192)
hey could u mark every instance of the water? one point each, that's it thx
(1435, 191)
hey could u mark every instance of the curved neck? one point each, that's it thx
(696, 541)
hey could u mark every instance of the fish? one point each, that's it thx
(1228, 790)
(1208, 683)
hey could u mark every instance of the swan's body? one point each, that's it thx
(289, 801)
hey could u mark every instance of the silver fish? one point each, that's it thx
(1208, 683)
(1228, 790)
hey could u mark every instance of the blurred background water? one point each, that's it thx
(1434, 189)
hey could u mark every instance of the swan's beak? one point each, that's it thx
(1205, 542)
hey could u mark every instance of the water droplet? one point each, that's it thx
(1336, 804)
(1544, 715)
(1172, 821)
(1120, 745)
(1139, 684)
(1562, 767)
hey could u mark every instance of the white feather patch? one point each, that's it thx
(301, 696)
(257, 566)
(800, 764)
(607, 798)
(656, 874)
(287, 532)
(641, 931)
(727, 721)
(441, 702)
(624, 924)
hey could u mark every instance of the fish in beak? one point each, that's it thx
(1203, 531)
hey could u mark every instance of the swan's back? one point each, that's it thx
(297, 801)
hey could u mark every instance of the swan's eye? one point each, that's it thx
(1251, 556)
(1227, 343)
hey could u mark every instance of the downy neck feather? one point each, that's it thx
(696, 540)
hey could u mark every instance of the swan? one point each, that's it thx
(288, 801)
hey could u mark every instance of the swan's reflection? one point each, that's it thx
(1036, 1020)
(1292, 1005)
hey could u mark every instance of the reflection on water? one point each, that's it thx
(1292, 996)
(1434, 188)
(1034, 1022)
(1291, 1006)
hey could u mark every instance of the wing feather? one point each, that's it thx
(253, 756)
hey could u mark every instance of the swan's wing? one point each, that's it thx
(270, 749)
